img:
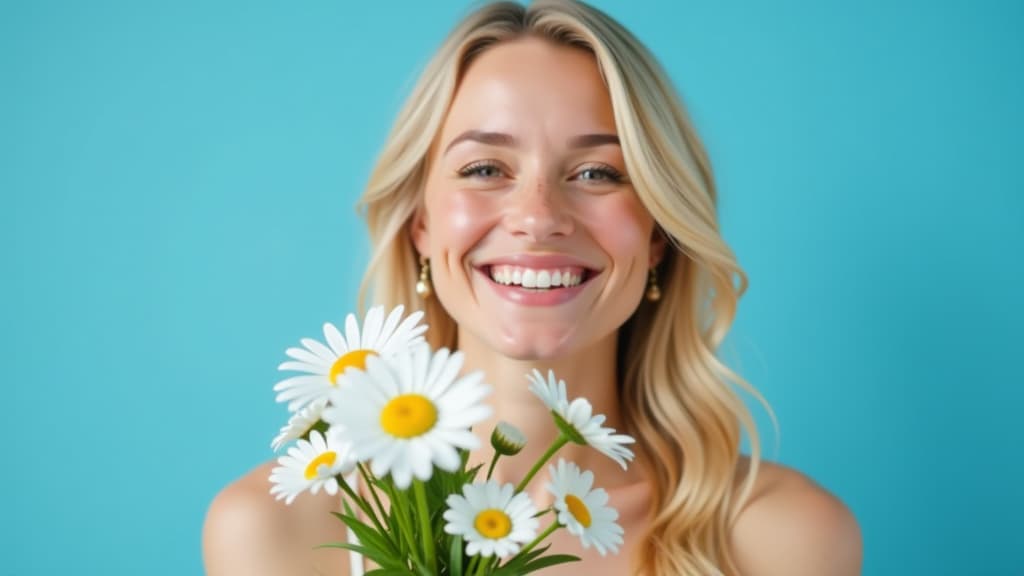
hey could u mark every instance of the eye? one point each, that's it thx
(483, 169)
(602, 173)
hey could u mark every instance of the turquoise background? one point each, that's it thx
(178, 182)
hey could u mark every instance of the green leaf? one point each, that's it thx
(515, 566)
(532, 561)
(344, 546)
(367, 535)
(455, 557)
(372, 544)
(384, 560)
(548, 561)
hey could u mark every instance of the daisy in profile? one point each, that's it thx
(324, 364)
(300, 423)
(577, 420)
(409, 413)
(492, 519)
(584, 511)
(311, 465)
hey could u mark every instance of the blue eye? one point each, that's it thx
(481, 170)
(598, 174)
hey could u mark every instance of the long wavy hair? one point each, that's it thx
(678, 397)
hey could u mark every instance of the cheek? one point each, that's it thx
(621, 225)
(458, 221)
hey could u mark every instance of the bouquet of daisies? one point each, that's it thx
(380, 417)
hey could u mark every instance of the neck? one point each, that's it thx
(590, 373)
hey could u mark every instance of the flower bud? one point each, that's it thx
(507, 439)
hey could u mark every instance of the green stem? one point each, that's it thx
(473, 563)
(555, 447)
(360, 502)
(401, 514)
(554, 526)
(481, 568)
(373, 490)
(493, 462)
(427, 533)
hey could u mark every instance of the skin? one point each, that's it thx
(538, 190)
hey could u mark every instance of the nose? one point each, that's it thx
(536, 210)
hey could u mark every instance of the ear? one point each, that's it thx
(659, 243)
(419, 232)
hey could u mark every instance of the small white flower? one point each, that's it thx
(409, 413)
(583, 511)
(492, 519)
(551, 391)
(579, 416)
(311, 465)
(323, 365)
(300, 423)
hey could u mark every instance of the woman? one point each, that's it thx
(546, 189)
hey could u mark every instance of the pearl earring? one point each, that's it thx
(423, 285)
(653, 293)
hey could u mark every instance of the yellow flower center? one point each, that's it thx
(353, 359)
(493, 523)
(578, 510)
(408, 416)
(327, 459)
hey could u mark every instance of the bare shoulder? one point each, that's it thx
(248, 532)
(792, 526)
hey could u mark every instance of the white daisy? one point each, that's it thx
(324, 364)
(300, 423)
(584, 427)
(311, 465)
(492, 519)
(551, 391)
(411, 412)
(583, 511)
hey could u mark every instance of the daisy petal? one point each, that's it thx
(372, 325)
(335, 340)
(325, 353)
(352, 333)
(307, 356)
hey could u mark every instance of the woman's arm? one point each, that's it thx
(793, 527)
(248, 533)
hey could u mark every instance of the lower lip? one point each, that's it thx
(530, 297)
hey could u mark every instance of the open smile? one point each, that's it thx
(537, 284)
(538, 278)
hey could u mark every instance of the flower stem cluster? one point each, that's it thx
(379, 405)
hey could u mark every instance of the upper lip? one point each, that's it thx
(538, 261)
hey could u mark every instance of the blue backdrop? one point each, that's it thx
(178, 182)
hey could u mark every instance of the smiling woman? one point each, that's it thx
(527, 183)
(545, 199)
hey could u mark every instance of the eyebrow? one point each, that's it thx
(593, 140)
(507, 140)
(491, 138)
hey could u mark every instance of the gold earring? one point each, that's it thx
(653, 293)
(423, 286)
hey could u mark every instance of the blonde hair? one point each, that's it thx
(674, 389)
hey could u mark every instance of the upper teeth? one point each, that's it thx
(534, 278)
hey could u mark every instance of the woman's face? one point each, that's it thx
(538, 244)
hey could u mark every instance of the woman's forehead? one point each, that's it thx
(531, 84)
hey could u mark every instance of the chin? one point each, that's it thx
(531, 345)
